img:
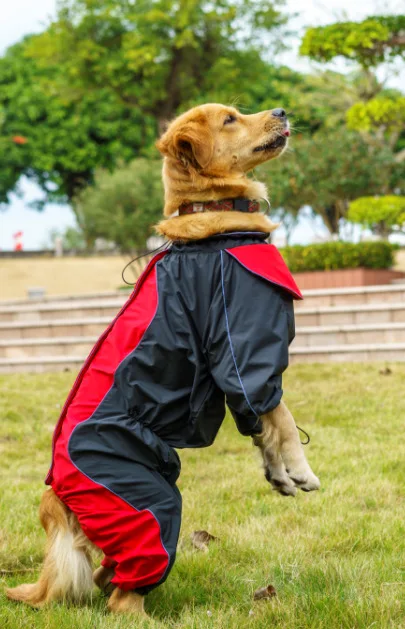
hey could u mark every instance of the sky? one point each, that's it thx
(21, 17)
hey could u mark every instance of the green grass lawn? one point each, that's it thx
(335, 557)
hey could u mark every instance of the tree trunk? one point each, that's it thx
(382, 230)
(73, 184)
(165, 110)
(332, 214)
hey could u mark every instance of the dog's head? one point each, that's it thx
(218, 140)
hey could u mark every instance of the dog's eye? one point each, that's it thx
(229, 119)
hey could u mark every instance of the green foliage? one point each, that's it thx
(122, 207)
(327, 171)
(60, 142)
(382, 111)
(376, 39)
(94, 89)
(339, 255)
(162, 54)
(382, 215)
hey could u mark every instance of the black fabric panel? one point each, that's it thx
(170, 391)
(165, 383)
(134, 464)
(110, 444)
(247, 342)
(176, 380)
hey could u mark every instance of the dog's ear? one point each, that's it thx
(190, 142)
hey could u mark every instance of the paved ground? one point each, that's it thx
(60, 276)
(68, 276)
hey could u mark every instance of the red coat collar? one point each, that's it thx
(266, 261)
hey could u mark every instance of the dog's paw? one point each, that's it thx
(304, 480)
(280, 483)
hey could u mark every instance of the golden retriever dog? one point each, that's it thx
(208, 152)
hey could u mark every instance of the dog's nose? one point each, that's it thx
(279, 113)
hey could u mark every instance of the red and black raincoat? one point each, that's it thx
(208, 322)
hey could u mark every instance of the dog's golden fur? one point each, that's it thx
(205, 159)
(66, 573)
(207, 224)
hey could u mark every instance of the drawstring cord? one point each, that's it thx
(304, 443)
(143, 255)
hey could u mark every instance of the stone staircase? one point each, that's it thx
(355, 324)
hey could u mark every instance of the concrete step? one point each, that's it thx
(85, 326)
(350, 315)
(71, 299)
(393, 352)
(361, 295)
(313, 336)
(107, 304)
(348, 353)
(44, 347)
(36, 364)
(58, 335)
(78, 338)
(51, 312)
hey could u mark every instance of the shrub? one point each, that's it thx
(121, 207)
(339, 255)
(381, 214)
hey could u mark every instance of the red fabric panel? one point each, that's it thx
(94, 351)
(128, 537)
(266, 261)
(131, 538)
(108, 563)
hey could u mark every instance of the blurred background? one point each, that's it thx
(86, 86)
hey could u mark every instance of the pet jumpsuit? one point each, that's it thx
(208, 321)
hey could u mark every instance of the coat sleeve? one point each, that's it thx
(251, 324)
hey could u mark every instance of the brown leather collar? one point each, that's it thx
(223, 205)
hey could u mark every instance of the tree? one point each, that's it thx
(379, 115)
(375, 40)
(121, 207)
(159, 55)
(382, 118)
(383, 215)
(55, 142)
(87, 93)
(329, 170)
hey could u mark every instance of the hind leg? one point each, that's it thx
(103, 575)
(121, 602)
(66, 571)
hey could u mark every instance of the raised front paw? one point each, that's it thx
(280, 482)
(304, 479)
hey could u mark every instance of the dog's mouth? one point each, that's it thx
(270, 146)
(278, 143)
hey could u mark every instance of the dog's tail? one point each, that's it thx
(67, 569)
